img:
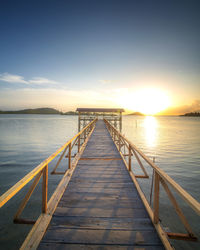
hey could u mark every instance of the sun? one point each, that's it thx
(148, 101)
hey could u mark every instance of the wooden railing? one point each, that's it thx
(160, 177)
(42, 170)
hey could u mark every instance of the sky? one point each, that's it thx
(139, 55)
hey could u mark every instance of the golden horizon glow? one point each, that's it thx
(148, 101)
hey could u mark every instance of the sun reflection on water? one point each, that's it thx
(150, 125)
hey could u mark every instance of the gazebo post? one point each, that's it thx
(120, 122)
(79, 122)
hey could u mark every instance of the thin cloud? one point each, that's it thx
(41, 80)
(10, 78)
(6, 77)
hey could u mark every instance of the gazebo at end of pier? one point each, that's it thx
(113, 115)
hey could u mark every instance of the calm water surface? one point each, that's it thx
(26, 140)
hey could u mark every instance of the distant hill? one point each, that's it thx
(136, 113)
(43, 111)
(192, 114)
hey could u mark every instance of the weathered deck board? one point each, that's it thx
(60, 246)
(104, 223)
(101, 208)
(104, 237)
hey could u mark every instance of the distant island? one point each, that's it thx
(39, 111)
(136, 113)
(194, 114)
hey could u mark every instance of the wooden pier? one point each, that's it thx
(101, 208)
(99, 203)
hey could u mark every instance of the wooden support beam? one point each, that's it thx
(129, 158)
(44, 189)
(26, 198)
(69, 156)
(59, 172)
(120, 122)
(84, 135)
(177, 208)
(79, 144)
(181, 236)
(72, 156)
(127, 154)
(119, 142)
(141, 176)
(58, 162)
(75, 141)
(24, 221)
(140, 163)
(156, 198)
(114, 136)
(79, 122)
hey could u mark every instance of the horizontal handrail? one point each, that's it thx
(27, 178)
(159, 178)
(194, 204)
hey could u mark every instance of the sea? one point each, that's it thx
(173, 142)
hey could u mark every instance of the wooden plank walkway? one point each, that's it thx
(101, 208)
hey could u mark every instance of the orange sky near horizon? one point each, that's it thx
(147, 100)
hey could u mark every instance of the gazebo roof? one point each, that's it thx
(99, 110)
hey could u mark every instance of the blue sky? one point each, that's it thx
(65, 54)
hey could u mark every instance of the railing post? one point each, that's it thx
(156, 198)
(129, 157)
(79, 144)
(84, 134)
(79, 122)
(69, 155)
(44, 189)
(88, 131)
(119, 139)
